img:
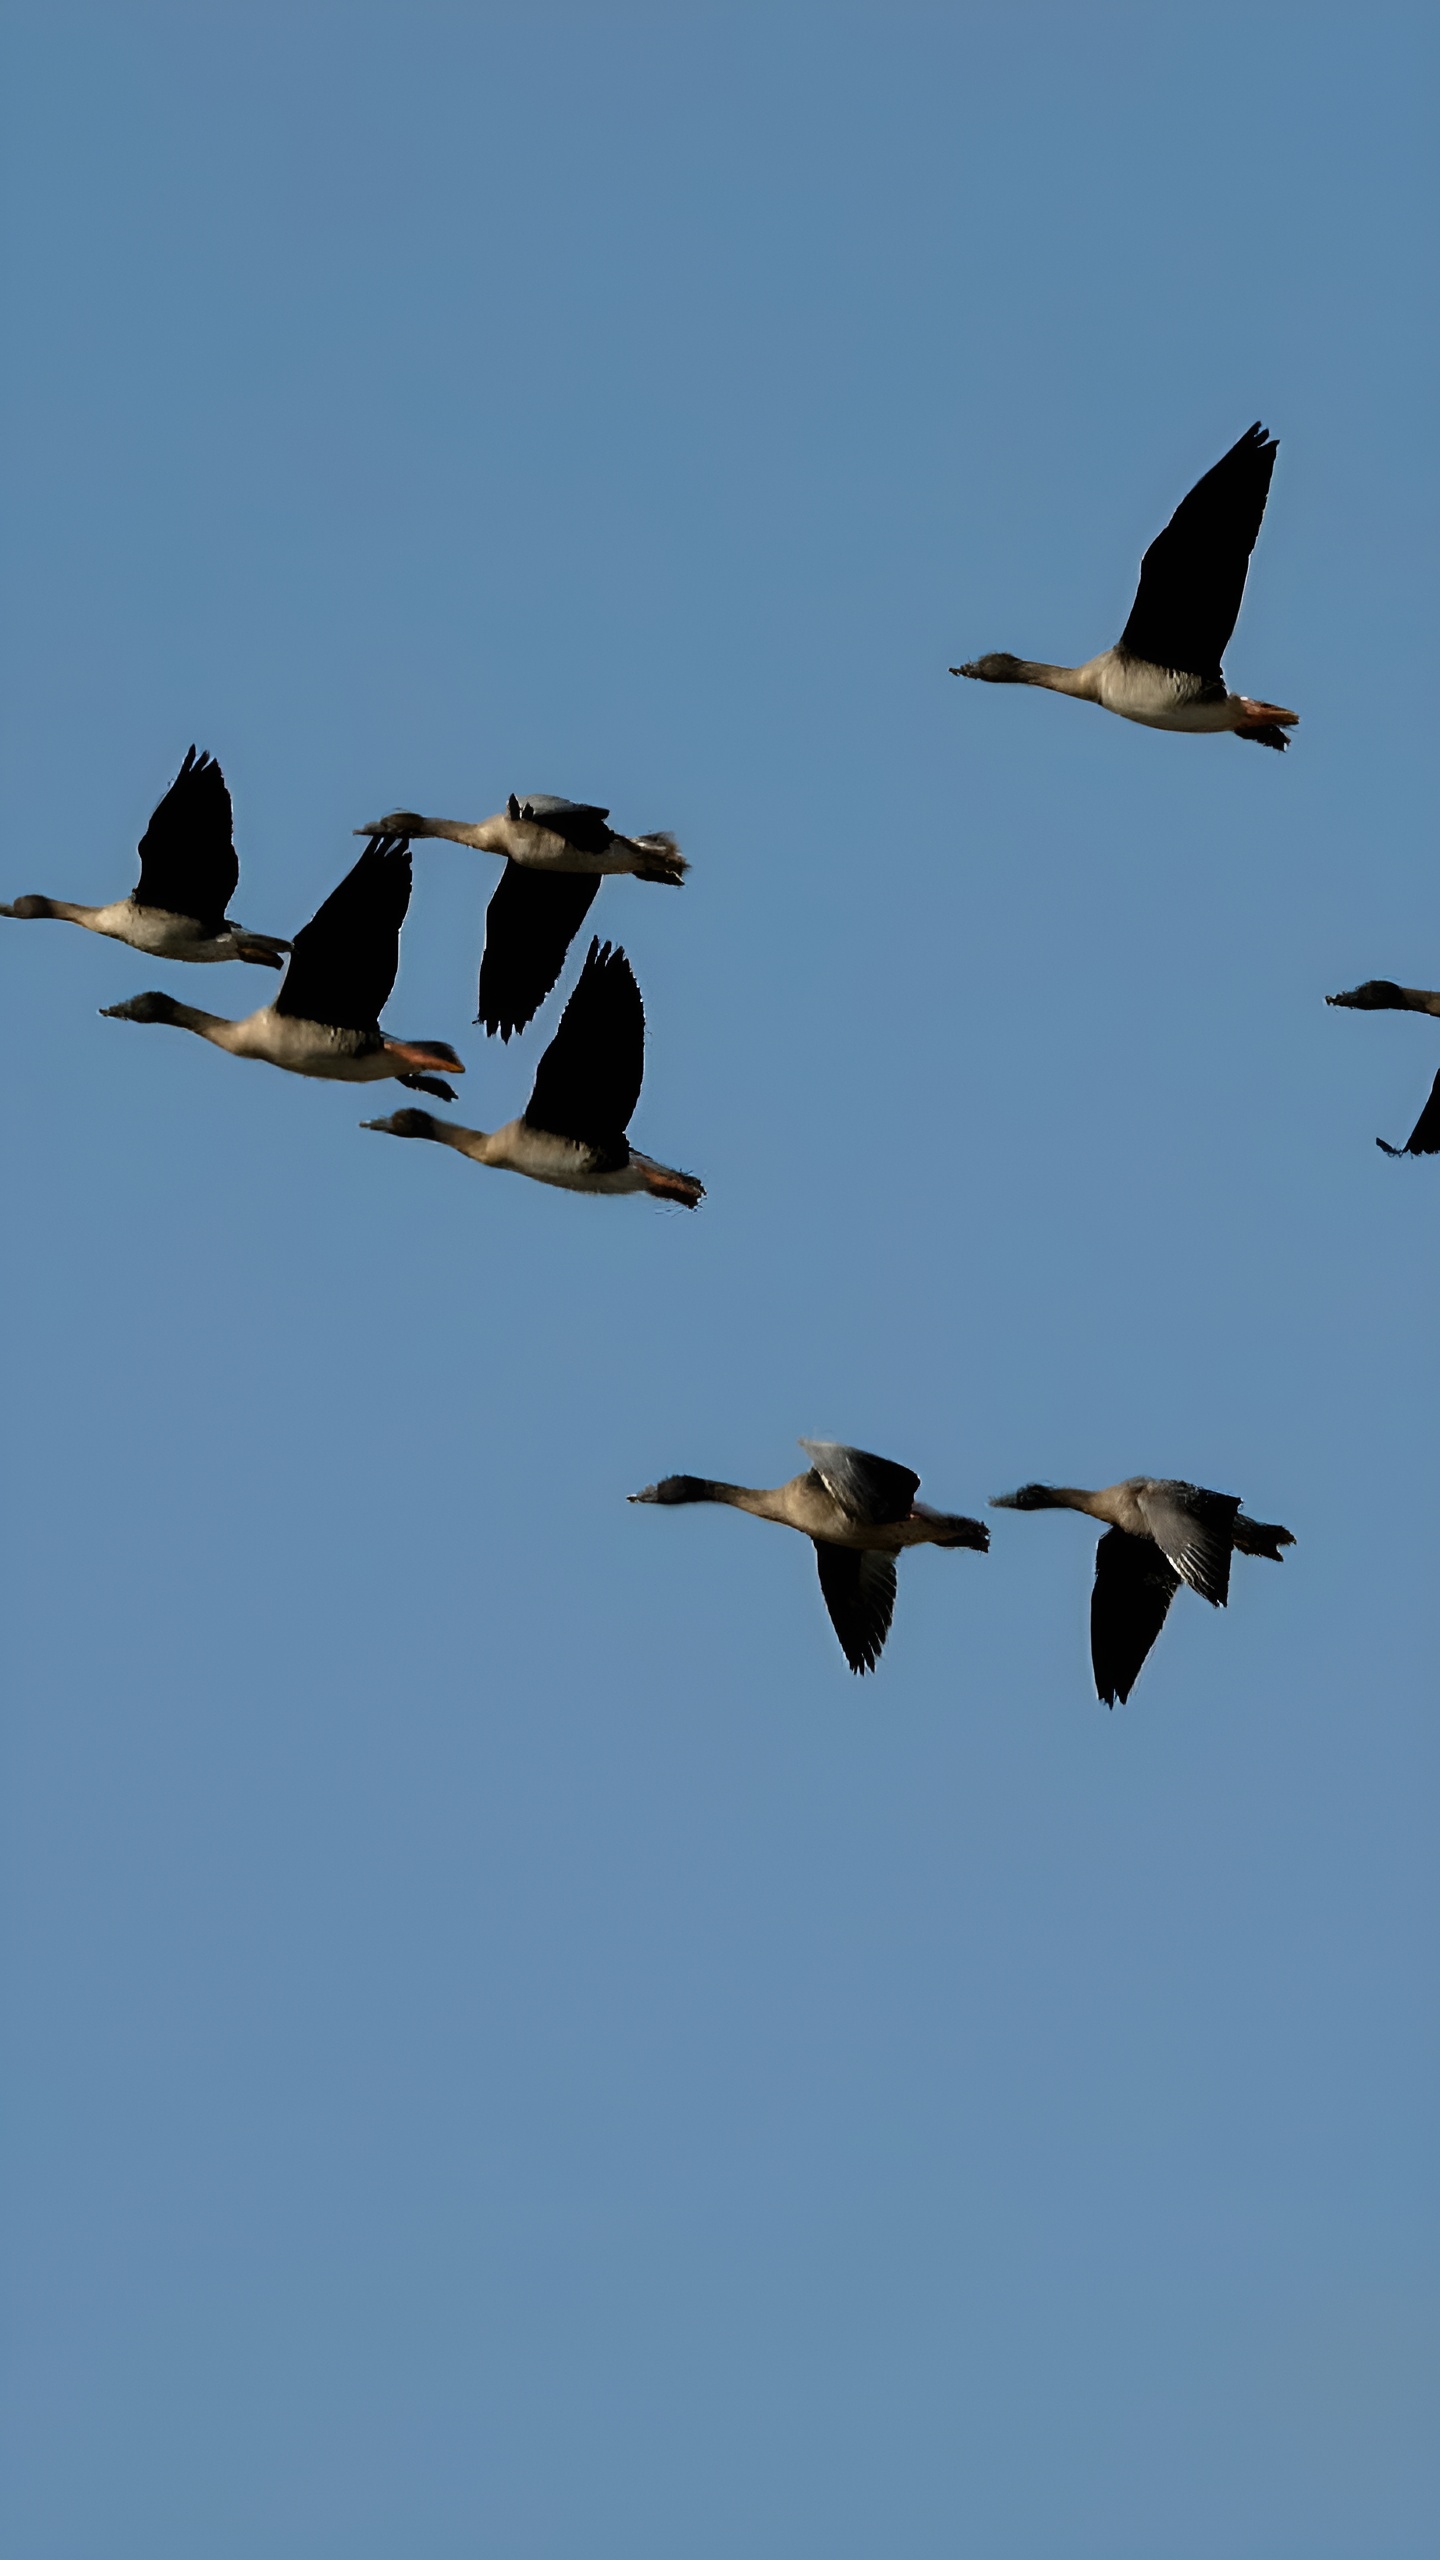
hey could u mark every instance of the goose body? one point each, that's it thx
(572, 1132)
(1381, 995)
(1159, 1532)
(324, 1021)
(1165, 671)
(859, 1512)
(189, 872)
(556, 853)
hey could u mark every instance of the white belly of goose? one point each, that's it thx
(566, 1162)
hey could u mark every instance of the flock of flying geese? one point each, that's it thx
(858, 1510)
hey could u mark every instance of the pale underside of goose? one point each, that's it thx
(1160, 1532)
(325, 1020)
(1381, 995)
(189, 871)
(1165, 670)
(859, 1512)
(556, 853)
(572, 1132)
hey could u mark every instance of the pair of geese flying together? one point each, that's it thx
(860, 1511)
(324, 1019)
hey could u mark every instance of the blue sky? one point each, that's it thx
(512, 2051)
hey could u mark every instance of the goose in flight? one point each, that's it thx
(556, 853)
(572, 1129)
(1159, 1533)
(188, 875)
(1164, 669)
(1381, 995)
(859, 1511)
(325, 1020)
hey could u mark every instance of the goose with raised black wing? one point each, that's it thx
(859, 1511)
(189, 870)
(1164, 669)
(1159, 1533)
(556, 853)
(572, 1130)
(325, 1020)
(1381, 995)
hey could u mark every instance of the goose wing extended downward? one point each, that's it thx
(871, 1489)
(344, 961)
(588, 1082)
(1195, 1529)
(858, 1586)
(1193, 575)
(530, 923)
(1134, 1586)
(1424, 1138)
(188, 862)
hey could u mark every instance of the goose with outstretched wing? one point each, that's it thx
(573, 1130)
(859, 1511)
(325, 1020)
(556, 853)
(1159, 1532)
(1164, 669)
(189, 871)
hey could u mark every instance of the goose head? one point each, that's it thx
(151, 1007)
(1000, 667)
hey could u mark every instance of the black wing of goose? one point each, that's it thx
(1134, 1586)
(188, 862)
(577, 822)
(1424, 1138)
(530, 923)
(859, 1591)
(871, 1489)
(1193, 575)
(1196, 1530)
(343, 963)
(588, 1081)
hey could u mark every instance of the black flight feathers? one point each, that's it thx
(530, 923)
(858, 1587)
(1193, 575)
(588, 1081)
(1134, 1586)
(188, 863)
(344, 961)
(1424, 1138)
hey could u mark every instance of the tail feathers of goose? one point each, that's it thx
(1265, 724)
(263, 950)
(660, 860)
(664, 1183)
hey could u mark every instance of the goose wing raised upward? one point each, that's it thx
(871, 1489)
(530, 923)
(1134, 1586)
(344, 960)
(1193, 575)
(859, 1591)
(588, 1082)
(1196, 1530)
(577, 822)
(1424, 1138)
(188, 863)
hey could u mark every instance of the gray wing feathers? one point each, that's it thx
(871, 1489)
(1195, 1529)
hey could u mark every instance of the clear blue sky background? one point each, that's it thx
(511, 2050)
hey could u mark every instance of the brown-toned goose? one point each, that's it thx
(1164, 669)
(556, 853)
(859, 1511)
(572, 1130)
(325, 1020)
(1159, 1533)
(1381, 995)
(188, 875)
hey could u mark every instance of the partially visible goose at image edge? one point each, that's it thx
(556, 853)
(189, 871)
(1381, 995)
(325, 1020)
(859, 1511)
(572, 1132)
(1160, 1532)
(1164, 671)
